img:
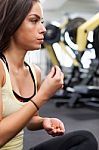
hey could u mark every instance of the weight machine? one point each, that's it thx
(84, 92)
(53, 36)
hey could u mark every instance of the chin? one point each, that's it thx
(36, 47)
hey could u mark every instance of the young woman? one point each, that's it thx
(21, 91)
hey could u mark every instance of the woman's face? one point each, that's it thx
(30, 34)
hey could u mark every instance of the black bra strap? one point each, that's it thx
(16, 95)
(4, 60)
(27, 99)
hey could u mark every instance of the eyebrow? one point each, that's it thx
(36, 16)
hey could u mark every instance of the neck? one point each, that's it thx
(15, 58)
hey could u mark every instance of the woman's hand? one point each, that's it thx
(53, 126)
(53, 82)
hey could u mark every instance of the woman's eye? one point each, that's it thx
(34, 20)
(37, 21)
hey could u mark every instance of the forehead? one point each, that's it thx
(36, 9)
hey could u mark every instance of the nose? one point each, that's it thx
(43, 29)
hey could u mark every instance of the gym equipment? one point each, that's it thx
(86, 92)
(52, 36)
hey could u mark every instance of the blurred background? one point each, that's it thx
(59, 13)
(54, 10)
(72, 43)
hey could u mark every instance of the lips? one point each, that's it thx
(41, 40)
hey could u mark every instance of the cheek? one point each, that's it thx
(26, 31)
(25, 36)
(27, 41)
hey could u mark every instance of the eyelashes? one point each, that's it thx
(35, 21)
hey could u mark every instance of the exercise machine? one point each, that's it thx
(86, 92)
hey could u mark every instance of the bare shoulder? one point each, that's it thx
(2, 74)
(2, 80)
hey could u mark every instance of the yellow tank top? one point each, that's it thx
(11, 105)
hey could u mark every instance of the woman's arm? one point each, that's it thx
(36, 123)
(11, 125)
(52, 126)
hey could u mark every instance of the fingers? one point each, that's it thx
(52, 72)
(53, 82)
(62, 79)
(57, 71)
(54, 126)
(57, 128)
(61, 126)
(59, 75)
(55, 131)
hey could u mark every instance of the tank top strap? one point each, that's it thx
(33, 75)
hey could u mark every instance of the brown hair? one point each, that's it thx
(12, 14)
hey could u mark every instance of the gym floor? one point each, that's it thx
(73, 118)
